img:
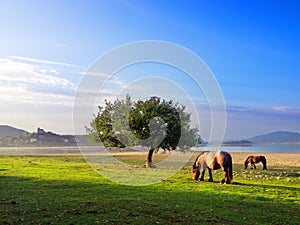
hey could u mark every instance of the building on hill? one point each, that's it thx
(40, 131)
(40, 138)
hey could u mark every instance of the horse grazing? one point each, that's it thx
(255, 159)
(213, 161)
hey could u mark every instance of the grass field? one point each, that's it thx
(66, 190)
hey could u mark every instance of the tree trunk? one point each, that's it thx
(149, 158)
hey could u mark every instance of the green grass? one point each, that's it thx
(66, 190)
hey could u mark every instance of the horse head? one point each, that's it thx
(245, 165)
(196, 172)
(247, 161)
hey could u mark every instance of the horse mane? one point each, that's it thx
(198, 157)
(251, 156)
(248, 158)
(246, 161)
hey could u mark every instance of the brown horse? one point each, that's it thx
(213, 161)
(255, 159)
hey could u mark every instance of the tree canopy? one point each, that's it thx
(154, 123)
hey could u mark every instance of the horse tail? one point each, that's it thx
(264, 161)
(230, 170)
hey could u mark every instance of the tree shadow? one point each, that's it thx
(288, 188)
(56, 201)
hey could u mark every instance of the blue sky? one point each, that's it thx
(252, 47)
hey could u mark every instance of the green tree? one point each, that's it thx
(153, 123)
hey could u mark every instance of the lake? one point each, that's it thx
(267, 148)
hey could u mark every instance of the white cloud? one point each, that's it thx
(21, 93)
(33, 83)
(14, 71)
(244, 122)
(44, 61)
(60, 45)
(36, 93)
(286, 110)
(94, 73)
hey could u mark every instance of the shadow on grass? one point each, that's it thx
(266, 186)
(80, 202)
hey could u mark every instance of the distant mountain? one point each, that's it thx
(277, 137)
(6, 130)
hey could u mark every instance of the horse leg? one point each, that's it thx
(202, 175)
(210, 175)
(228, 176)
(264, 165)
(225, 176)
(254, 166)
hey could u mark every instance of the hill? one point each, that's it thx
(237, 143)
(13, 137)
(277, 137)
(8, 131)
